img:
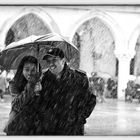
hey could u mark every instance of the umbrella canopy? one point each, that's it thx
(36, 46)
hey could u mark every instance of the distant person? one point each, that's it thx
(98, 85)
(2, 84)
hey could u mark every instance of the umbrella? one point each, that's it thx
(36, 46)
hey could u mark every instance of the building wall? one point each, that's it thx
(123, 24)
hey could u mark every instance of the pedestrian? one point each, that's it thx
(2, 85)
(66, 99)
(100, 83)
(98, 86)
(23, 89)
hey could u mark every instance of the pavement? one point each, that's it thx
(114, 118)
(5, 107)
(111, 118)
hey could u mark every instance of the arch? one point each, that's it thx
(117, 67)
(132, 65)
(114, 29)
(132, 48)
(133, 39)
(105, 18)
(39, 12)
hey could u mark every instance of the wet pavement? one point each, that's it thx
(112, 118)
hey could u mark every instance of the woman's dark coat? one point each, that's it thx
(23, 114)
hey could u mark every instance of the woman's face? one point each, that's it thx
(29, 70)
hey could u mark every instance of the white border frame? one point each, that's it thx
(69, 2)
(72, 3)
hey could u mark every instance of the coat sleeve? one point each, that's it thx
(19, 99)
(90, 102)
(87, 101)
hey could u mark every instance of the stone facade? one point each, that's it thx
(105, 34)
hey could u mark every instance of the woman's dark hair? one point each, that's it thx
(19, 78)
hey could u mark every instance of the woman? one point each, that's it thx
(24, 88)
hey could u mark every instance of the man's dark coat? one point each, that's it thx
(65, 103)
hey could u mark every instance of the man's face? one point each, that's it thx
(55, 64)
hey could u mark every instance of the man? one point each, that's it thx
(66, 99)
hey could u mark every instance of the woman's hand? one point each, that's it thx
(34, 78)
(34, 89)
(37, 88)
(34, 86)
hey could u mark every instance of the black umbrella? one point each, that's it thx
(37, 47)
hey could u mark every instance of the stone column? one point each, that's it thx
(86, 60)
(123, 74)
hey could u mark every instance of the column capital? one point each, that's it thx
(126, 56)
